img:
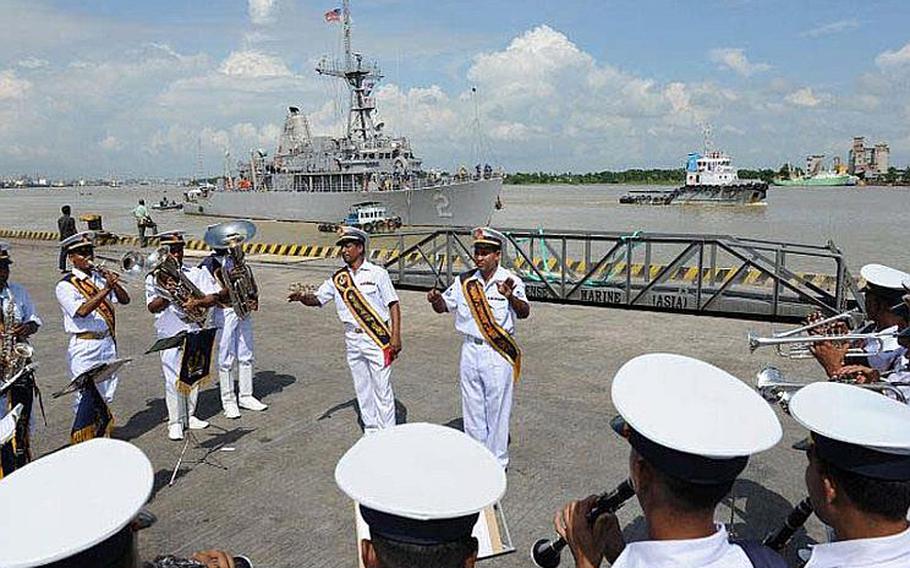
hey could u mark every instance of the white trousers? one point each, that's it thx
(486, 397)
(177, 410)
(371, 381)
(235, 341)
(83, 354)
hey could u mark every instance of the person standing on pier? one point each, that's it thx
(66, 226)
(87, 295)
(487, 301)
(143, 222)
(172, 319)
(367, 305)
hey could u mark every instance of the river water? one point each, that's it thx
(869, 224)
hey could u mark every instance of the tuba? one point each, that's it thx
(173, 284)
(15, 355)
(238, 278)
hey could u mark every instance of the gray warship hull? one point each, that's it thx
(461, 204)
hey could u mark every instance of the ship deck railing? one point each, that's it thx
(698, 273)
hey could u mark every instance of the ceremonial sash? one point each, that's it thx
(196, 362)
(364, 313)
(88, 289)
(93, 417)
(496, 336)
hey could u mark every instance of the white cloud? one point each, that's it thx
(891, 59)
(110, 144)
(831, 28)
(261, 11)
(33, 63)
(735, 59)
(12, 87)
(252, 63)
(805, 97)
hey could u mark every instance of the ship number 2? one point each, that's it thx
(442, 205)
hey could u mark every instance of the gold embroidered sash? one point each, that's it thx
(88, 289)
(364, 313)
(496, 336)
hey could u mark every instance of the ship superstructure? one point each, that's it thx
(318, 178)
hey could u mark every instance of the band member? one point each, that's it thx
(486, 302)
(883, 290)
(449, 479)
(235, 342)
(686, 450)
(18, 321)
(87, 295)
(367, 305)
(858, 475)
(42, 501)
(170, 320)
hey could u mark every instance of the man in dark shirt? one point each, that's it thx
(66, 226)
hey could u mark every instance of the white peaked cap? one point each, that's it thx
(884, 276)
(71, 500)
(421, 471)
(693, 407)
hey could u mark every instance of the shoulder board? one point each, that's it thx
(466, 274)
(68, 277)
(339, 271)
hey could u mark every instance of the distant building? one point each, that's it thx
(867, 161)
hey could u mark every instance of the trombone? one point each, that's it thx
(774, 387)
(797, 346)
(849, 315)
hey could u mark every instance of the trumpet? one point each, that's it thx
(132, 266)
(785, 345)
(774, 387)
(545, 552)
(849, 315)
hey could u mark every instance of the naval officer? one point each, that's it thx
(858, 474)
(87, 296)
(52, 516)
(170, 320)
(691, 428)
(367, 305)
(487, 301)
(18, 319)
(442, 481)
(235, 341)
(883, 290)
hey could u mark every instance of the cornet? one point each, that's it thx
(803, 342)
(774, 387)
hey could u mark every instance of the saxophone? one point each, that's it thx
(14, 354)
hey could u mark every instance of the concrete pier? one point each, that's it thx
(274, 497)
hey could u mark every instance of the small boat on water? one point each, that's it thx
(710, 179)
(165, 205)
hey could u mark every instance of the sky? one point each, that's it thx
(92, 88)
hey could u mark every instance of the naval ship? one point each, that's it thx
(324, 178)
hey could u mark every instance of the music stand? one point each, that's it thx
(188, 435)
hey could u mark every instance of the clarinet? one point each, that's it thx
(796, 519)
(545, 552)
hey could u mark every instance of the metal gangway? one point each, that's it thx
(718, 275)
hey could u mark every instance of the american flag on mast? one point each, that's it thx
(333, 15)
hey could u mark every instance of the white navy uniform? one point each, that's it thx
(884, 356)
(486, 376)
(714, 551)
(24, 311)
(365, 358)
(883, 552)
(83, 354)
(169, 324)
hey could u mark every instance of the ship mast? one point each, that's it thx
(360, 77)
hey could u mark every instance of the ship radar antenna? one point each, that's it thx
(708, 141)
(361, 77)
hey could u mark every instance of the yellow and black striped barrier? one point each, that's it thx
(576, 268)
